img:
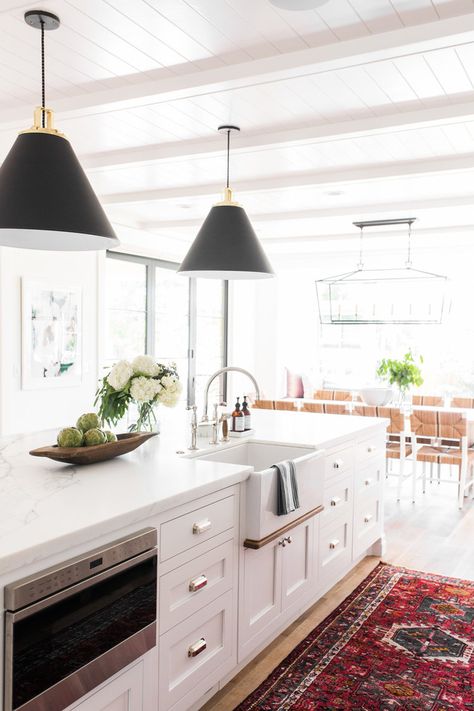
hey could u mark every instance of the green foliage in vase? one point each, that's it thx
(403, 373)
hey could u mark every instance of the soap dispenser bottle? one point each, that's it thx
(238, 418)
(246, 413)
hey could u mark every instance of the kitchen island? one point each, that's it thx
(210, 586)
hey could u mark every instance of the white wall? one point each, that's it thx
(30, 410)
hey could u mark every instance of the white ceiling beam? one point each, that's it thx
(372, 235)
(293, 136)
(426, 37)
(361, 173)
(337, 211)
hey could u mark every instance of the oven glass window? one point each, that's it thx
(57, 641)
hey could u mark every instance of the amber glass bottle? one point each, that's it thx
(238, 418)
(246, 413)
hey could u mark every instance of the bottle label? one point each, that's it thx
(239, 424)
(248, 422)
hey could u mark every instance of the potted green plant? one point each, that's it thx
(403, 373)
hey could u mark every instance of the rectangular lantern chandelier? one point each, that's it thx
(402, 295)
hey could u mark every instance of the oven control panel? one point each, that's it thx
(40, 585)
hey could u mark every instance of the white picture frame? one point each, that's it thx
(51, 318)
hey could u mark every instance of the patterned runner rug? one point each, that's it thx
(403, 640)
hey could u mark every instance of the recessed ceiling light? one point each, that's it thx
(298, 4)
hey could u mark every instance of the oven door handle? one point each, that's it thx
(79, 587)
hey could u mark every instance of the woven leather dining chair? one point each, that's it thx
(449, 442)
(285, 405)
(335, 409)
(264, 404)
(398, 446)
(466, 402)
(313, 407)
(323, 395)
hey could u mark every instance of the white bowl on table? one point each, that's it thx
(377, 397)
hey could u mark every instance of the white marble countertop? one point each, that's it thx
(47, 507)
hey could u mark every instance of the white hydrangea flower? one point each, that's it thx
(145, 365)
(169, 396)
(120, 375)
(144, 389)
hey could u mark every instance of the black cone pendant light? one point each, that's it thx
(46, 200)
(226, 246)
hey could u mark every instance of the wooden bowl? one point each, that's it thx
(96, 453)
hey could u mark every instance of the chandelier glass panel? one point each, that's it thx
(402, 295)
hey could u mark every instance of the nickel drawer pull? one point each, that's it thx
(334, 543)
(368, 482)
(368, 518)
(198, 583)
(335, 500)
(371, 448)
(338, 463)
(197, 647)
(202, 526)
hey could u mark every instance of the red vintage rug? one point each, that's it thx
(403, 640)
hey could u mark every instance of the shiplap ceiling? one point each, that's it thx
(360, 109)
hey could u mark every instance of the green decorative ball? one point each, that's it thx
(89, 421)
(93, 437)
(111, 437)
(70, 437)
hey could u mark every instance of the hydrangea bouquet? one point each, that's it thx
(142, 382)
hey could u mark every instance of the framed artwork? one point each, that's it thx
(51, 335)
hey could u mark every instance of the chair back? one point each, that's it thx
(331, 409)
(452, 425)
(428, 400)
(467, 402)
(342, 395)
(424, 423)
(323, 395)
(264, 404)
(397, 419)
(285, 405)
(313, 407)
(365, 410)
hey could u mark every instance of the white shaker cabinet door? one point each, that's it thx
(124, 693)
(260, 602)
(298, 576)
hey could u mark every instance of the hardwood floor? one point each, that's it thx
(431, 535)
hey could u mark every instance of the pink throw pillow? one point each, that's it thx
(294, 384)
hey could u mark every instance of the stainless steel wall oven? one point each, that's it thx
(69, 628)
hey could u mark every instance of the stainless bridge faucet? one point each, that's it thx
(228, 369)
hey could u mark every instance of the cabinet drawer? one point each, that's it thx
(192, 652)
(337, 500)
(184, 532)
(369, 448)
(339, 462)
(367, 524)
(368, 480)
(190, 587)
(335, 549)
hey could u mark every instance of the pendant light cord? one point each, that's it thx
(228, 157)
(43, 89)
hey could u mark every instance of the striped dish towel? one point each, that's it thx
(287, 488)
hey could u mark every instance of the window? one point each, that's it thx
(126, 301)
(151, 309)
